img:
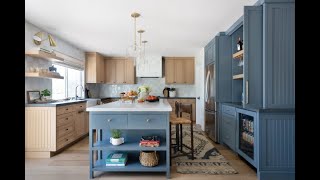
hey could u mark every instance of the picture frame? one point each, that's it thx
(32, 96)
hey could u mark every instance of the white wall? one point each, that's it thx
(62, 46)
(199, 83)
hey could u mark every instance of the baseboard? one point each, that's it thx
(276, 175)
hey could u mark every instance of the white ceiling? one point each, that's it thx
(173, 27)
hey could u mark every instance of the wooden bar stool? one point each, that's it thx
(179, 121)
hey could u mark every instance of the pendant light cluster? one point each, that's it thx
(137, 51)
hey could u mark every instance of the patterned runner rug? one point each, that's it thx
(207, 160)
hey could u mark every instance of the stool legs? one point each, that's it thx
(180, 137)
(192, 151)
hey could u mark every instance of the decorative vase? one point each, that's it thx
(143, 95)
(117, 141)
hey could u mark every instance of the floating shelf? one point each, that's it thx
(44, 55)
(43, 75)
(238, 54)
(238, 76)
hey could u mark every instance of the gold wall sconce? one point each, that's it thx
(38, 38)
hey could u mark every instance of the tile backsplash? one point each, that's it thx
(156, 85)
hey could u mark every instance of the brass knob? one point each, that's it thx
(109, 120)
(148, 120)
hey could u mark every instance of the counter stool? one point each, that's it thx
(179, 121)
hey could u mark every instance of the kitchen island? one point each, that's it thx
(134, 120)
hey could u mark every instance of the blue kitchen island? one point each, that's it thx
(134, 120)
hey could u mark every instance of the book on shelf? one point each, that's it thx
(149, 141)
(116, 163)
(117, 158)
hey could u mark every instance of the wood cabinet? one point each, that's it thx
(186, 101)
(119, 70)
(94, 68)
(49, 129)
(79, 119)
(179, 70)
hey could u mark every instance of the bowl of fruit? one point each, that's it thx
(152, 98)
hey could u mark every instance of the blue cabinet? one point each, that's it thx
(279, 55)
(133, 125)
(209, 52)
(229, 126)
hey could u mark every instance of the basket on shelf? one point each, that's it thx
(149, 158)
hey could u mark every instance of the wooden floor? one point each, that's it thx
(72, 164)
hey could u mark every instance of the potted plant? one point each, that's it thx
(116, 138)
(45, 94)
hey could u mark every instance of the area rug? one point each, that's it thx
(208, 159)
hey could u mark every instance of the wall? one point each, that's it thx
(62, 46)
(199, 83)
(156, 84)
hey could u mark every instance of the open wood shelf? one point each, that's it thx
(44, 55)
(43, 75)
(238, 54)
(238, 76)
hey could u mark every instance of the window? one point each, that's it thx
(63, 88)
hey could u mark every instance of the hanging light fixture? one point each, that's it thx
(134, 50)
(144, 52)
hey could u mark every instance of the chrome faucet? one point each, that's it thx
(76, 91)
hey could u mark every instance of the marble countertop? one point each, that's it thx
(54, 104)
(161, 105)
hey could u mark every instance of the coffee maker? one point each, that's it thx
(166, 92)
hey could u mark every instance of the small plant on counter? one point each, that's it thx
(45, 93)
(116, 138)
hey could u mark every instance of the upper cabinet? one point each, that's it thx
(119, 70)
(179, 70)
(151, 66)
(209, 52)
(94, 68)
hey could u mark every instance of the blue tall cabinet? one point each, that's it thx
(268, 87)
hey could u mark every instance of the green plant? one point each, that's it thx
(45, 92)
(116, 133)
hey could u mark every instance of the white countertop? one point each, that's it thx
(161, 105)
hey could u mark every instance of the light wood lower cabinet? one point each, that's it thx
(49, 129)
(186, 101)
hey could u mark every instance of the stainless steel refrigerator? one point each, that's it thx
(210, 103)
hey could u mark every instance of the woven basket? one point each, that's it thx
(149, 158)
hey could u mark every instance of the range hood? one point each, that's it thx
(150, 67)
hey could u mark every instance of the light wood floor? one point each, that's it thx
(72, 164)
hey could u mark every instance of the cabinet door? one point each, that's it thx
(91, 68)
(100, 68)
(129, 72)
(189, 71)
(80, 123)
(169, 71)
(179, 67)
(252, 35)
(229, 130)
(120, 74)
(110, 71)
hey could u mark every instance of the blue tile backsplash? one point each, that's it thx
(156, 85)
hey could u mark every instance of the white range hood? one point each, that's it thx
(150, 67)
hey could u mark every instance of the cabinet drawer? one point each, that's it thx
(229, 110)
(64, 109)
(65, 129)
(228, 137)
(65, 140)
(64, 119)
(109, 121)
(79, 106)
(147, 122)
